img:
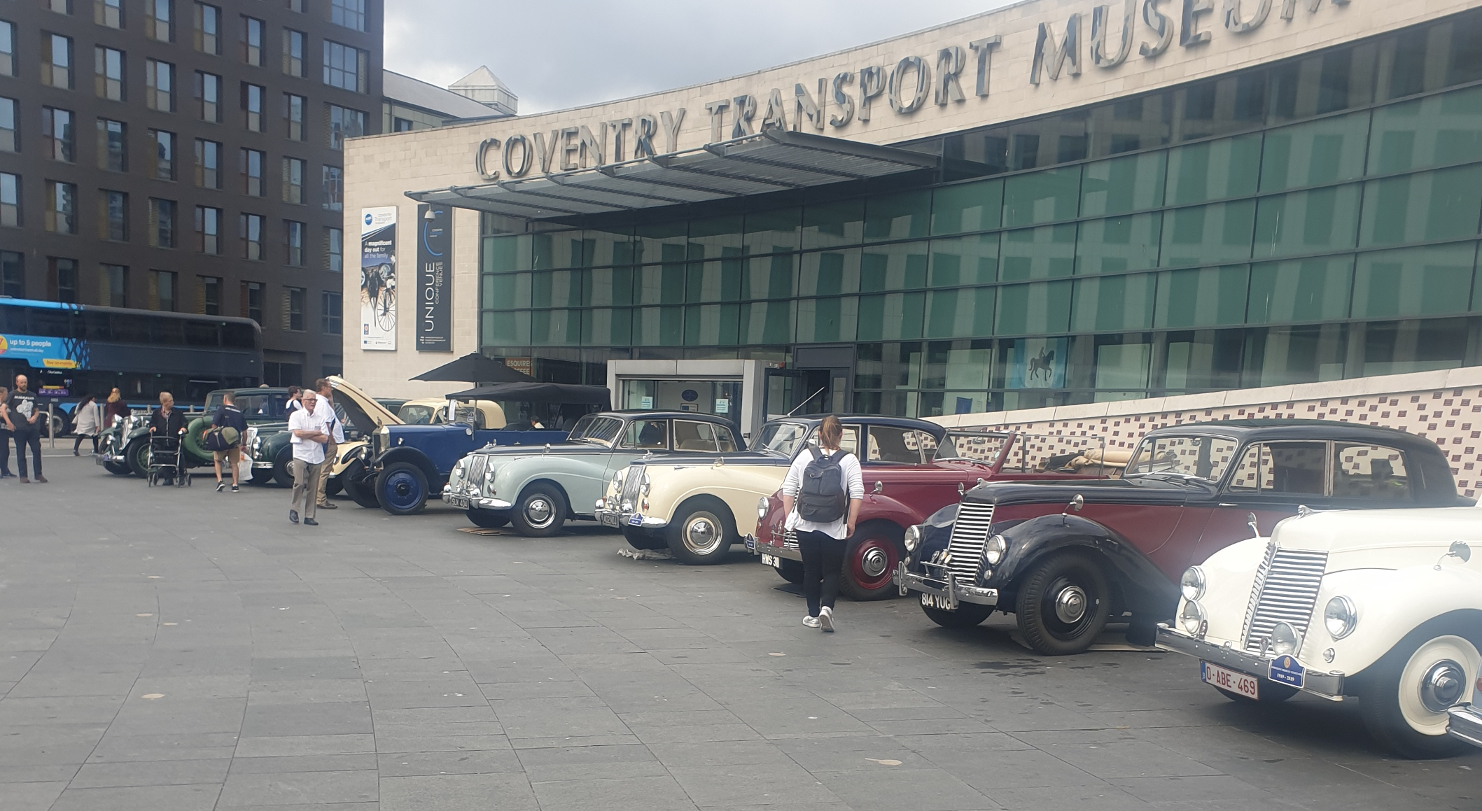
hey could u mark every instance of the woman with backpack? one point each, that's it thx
(821, 497)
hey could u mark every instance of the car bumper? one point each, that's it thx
(1327, 685)
(946, 589)
(260, 465)
(613, 518)
(468, 502)
(1466, 723)
(756, 546)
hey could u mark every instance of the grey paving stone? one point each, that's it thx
(661, 793)
(615, 761)
(457, 792)
(303, 763)
(139, 798)
(297, 745)
(31, 796)
(924, 789)
(299, 788)
(407, 764)
(744, 784)
(151, 773)
(341, 718)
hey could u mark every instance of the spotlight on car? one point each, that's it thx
(1192, 619)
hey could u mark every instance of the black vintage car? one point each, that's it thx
(1067, 557)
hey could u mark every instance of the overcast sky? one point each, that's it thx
(566, 53)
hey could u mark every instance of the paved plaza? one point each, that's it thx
(183, 650)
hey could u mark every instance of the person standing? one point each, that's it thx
(228, 416)
(116, 408)
(88, 423)
(335, 429)
(7, 430)
(168, 421)
(20, 406)
(294, 401)
(821, 497)
(308, 441)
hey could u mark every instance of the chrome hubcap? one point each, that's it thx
(875, 562)
(1070, 604)
(1442, 686)
(538, 512)
(700, 534)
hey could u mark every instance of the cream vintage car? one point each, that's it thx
(699, 504)
(1382, 605)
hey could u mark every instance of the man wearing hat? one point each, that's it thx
(233, 427)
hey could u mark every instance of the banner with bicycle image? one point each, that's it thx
(378, 278)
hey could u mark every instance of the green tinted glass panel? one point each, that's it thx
(890, 317)
(503, 254)
(964, 261)
(893, 267)
(826, 273)
(556, 288)
(1115, 244)
(658, 326)
(766, 322)
(1303, 222)
(561, 249)
(1123, 185)
(715, 281)
(1415, 281)
(1427, 132)
(768, 277)
(612, 247)
(1424, 207)
(1214, 170)
(827, 320)
(1032, 309)
(963, 313)
(1047, 252)
(1300, 290)
(1204, 235)
(661, 284)
(773, 231)
(715, 238)
(555, 327)
(1327, 151)
(1038, 197)
(609, 286)
(506, 329)
(967, 207)
(1114, 303)
(711, 325)
(830, 225)
(1203, 297)
(897, 216)
(607, 327)
(505, 291)
(661, 242)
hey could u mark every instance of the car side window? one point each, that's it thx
(1372, 472)
(1298, 468)
(694, 436)
(893, 445)
(850, 440)
(646, 435)
(724, 439)
(1254, 468)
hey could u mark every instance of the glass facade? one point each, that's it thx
(1315, 219)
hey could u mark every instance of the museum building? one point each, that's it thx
(1052, 203)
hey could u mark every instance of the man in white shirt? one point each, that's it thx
(832, 494)
(309, 438)
(335, 428)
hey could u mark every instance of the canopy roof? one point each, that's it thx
(475, 368)
(769, 161)
(565, 393)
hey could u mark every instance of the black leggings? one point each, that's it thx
(80, 438)
(31, 438)
(823, 560)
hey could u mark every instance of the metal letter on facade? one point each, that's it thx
(717, 117)
(950, 62)
(671, 122)
(897, 82)
(481, 161)
(546, 150)
(520, 169)
(570, 149)
(843, 100)
(1289, 7)
(619, 126)
(378, 279)
(1161, 24)
(805, 107)
(592, 144)
(643, 136)
(1235, 24)
(1052, 58)
(776, 115)
(1188, 34)
(745, 111)
(434, 278)
(871, 86)
(984, 48)
(1099, 23)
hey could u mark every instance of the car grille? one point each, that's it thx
(473, 473)
(1285, 591)
(631, 483)
(969, 533)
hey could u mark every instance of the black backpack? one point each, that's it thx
(824, 496)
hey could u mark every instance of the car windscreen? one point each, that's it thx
(972, 446)
(418, 414)
(601, 430)
(259, 407)
(781, 437)
(1200, 457)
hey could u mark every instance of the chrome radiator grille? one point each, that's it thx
(1285, 591)
(969, 533)
(631, 483)
(473, 473)
(790, 539)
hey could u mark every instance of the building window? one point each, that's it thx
(114, 285)
(10, 199)
(162, 290)
(161, 223)
(293, 242)
(109, 65)
(402, 124)
(57, 137)
(334, 253)
(208, 164)
(251, 226)
(7, 48)
(9, 142)
(252, 105)
(252, 172)
(252, 41)
(208, 93)
(157, 23)
(12, 274)
(293, 52)
(108, 13)
(164, 154)
(61, 207)
(56, 61)
(348, 13)
(252, 301)
(293, 180)
(293, 309)
(208, 29)
(113, 145)
(344, 66)
(159, 81)
(113, 220)
(333, 190)
(293, 116)
(344, 123)
(61, 279)
(296, 6)
(329, 313)
(59, 6)
(208, 230)
(210, 303)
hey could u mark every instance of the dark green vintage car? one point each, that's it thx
(270, 448)
(124, 446)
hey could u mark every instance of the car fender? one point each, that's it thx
(739, 487)
(580, 479)
(1391, 604)
(1143, 587)
(1229, 576)
(416, 457)
(884, 508)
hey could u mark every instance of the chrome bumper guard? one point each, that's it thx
(943, 586)
(1327, 685)
(755, 546)
(1466, 723)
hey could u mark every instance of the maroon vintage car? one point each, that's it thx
(902, 489)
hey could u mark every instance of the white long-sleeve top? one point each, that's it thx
(853, 482)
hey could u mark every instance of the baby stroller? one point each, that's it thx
(165, 465)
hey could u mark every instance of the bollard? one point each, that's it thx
(51, 427)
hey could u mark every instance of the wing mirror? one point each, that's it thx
(1250, 521)
(961, 488)
(1459, 550)
(1075, 505)
(879, 488)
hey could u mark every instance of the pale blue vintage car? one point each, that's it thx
(537, 488)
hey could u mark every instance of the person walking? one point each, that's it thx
(233, 427)
(821, 497)
(116, 407)
(295, 395)
(7, 431)
(335, 429)
(87, 421)
(20, 406)
(308, 441)
(169, 421)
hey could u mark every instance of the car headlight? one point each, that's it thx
(1340, 617)
(1192, 618)
(913, 537)
(761, 509)
(1192, 583)
(1285, 641)
(993, 550)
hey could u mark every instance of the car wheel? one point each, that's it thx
(282, 474)
(333, 487)
(262, 476)
(401, 489)
(1064, 602)
(791, 570)
(703, 535)
(870, 560)
(488, 519)
(539, 512)
(137, 456)
(643, 539)
(1271, 693)
(967, 615)
(362, 495)
(1404, 700)
(117, 468)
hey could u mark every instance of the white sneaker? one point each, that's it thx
(810, 622)
(826, 620)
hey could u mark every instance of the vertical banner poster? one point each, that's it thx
(378, 278)
(434, 281)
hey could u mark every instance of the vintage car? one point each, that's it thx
(1067, 557)
(537, 489)
(124, 448)
(904, 485)
(699, 505)
(435, 411)
(270, 446)
(1382, 605)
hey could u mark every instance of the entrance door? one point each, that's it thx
(806, 391)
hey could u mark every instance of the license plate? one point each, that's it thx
(458, 501)
(607, 519)
(772, 560)
(1286, 670)
(1234, 681)
(635, 520)
(933, 601)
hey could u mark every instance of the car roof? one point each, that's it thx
(639, 412)
(1273, 429)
